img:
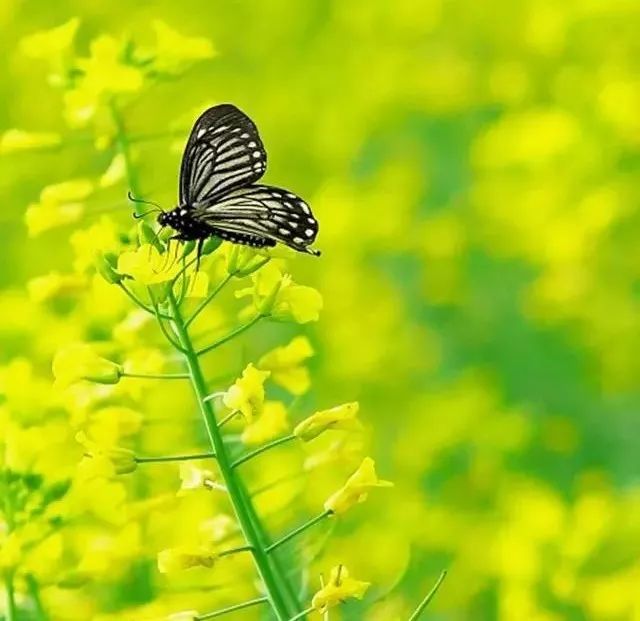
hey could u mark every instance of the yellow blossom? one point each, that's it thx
(247, 393)
(114, 173)
(270, 424)
(241, 260)
(59, 204)
(51, 45)
(80, 362)
(339, 587)
(193, 477)
(53, 285)
(177, 559)
(147, 266)
(356, 489)
(104, 73)
(185, 615)
(218, 527)
(285, 364)
(14, 140)
(275, 294)
(40, 218)
(341, 417)
(122, 460)
(198, 285)
(97, 241)
(174, 52)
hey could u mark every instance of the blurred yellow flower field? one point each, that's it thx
(453, 385)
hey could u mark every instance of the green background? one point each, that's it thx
(474, 169)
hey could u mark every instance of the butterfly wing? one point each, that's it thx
(224, 152)
(263, 213)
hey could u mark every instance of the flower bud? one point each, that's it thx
(80, 362)
(106, 265)
(342, 417)
(173, 560)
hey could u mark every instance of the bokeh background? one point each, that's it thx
(474, 168)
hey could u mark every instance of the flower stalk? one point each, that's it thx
(428, 597)
(230, 336)
(296, 531)
(173, 458)
(234, 608)
(262, 449)
(237, 495)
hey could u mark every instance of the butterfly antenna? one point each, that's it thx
(137, 216)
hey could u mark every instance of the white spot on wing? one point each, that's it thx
(309, 232)
(284, 231)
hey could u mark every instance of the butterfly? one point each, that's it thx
(223, 160)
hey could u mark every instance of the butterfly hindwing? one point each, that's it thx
(261, 212)
(224, 152)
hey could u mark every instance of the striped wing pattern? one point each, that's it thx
(224, 152)
(263, 213)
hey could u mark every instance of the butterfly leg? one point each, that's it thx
(199, 252)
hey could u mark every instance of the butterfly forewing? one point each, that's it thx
(224, 152)
(263, 211)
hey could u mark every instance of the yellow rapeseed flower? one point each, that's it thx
(285, 364)
(356, 489)
(275, 294)
(247, 393)
(339, 587)
(172, 560)
(193, 477)
(54, 285)
(122, 460)
(185, 615)
(89, 245)
(51, 45)
(59, 204)
(198, 285)
(270, 424)
(114, 173)
(14, 140)
(104, 73)
(174, 52)
(341, 417)
(80, 362)
(147, 266)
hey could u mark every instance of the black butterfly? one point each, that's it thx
(222, 161)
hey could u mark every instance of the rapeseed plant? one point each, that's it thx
(73, 525)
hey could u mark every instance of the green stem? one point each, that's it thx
(140, 303)
(279, 571)
(169, 458)
(262, 449)
(167, 376)
(34, 592)
(233, 551)
(302, 614)
(228, 418)
(298, 530)
(208, 299)
(425, 602)
(228, 609)
(11, 608)
(229, 336)
(163, 329)
(272, 585)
